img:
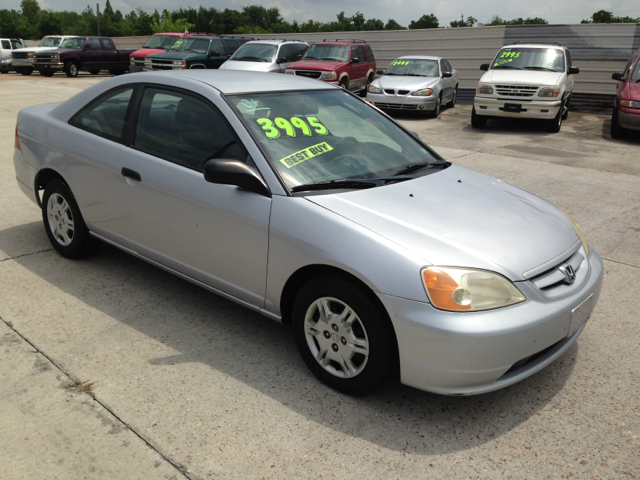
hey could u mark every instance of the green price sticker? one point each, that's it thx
(305, 154)
(293, 127)
(401, 62)
(510, 54)
(177, 44)
(502, 62)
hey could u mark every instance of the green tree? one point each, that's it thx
(167, 24)
(50, 23)
(373, 24)
(30, 19)
(603, 16)
(425, 21)
(393, 25)
(10, 23)
(469, 22)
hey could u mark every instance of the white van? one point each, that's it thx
(526, 80)
(266, 55)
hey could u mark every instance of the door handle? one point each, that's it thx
(132, 174)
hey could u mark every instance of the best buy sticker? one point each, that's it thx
(303, 155)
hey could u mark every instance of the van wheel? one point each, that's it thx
(63, 222)
(565, 114)
(344, 336)
(617, 131)
(477, 121)
(553, 126)
(71, 69)
(344, 83)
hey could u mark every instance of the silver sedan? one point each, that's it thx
(300, 201)
(418, 83)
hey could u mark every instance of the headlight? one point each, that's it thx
(328, 76)
(425, 92)
(579, 232)
(484, 89)
(549, 92)
(373, 89)
(30, 56)
(629, 104)
(132, 61)
(289, 72)
(179, 62)
(57, 57)
(147, 62)
(470, 290)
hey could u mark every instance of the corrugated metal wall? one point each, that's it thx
(598, 50)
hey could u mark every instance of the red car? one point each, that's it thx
(348, 63)
(626, 111)
(158, 43)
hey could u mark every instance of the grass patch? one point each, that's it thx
(83, 387)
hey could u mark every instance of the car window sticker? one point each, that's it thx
(508, 56)
(293, 127)
(305, 154)
(247, 106)
(401, 62)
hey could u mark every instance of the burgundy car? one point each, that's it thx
(626, 111)
(348, 63)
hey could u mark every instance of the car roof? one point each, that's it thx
(535, 45)
(419, 57)
(232, 82)
(275, 41)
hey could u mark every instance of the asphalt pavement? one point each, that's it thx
(181, 383)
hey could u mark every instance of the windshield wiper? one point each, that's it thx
(419, 166)
(330, 58)
(531, 67)
(507, 66)
(309, 58)
(259, 59)
(331, 184)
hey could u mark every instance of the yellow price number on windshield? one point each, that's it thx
(292, 127)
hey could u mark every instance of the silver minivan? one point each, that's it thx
(266, 56)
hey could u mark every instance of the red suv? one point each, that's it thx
(626, 111)
(348, 63)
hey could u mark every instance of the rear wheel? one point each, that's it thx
(344, 335)
(118, 71)
(63, 221)
(477, 121)
(94, 72)
(4, 71)
(71, 69)
(617, 131)
(46, 73)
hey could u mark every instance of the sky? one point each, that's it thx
(403, 11)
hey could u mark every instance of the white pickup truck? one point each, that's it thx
(526, 81)
(22, 58)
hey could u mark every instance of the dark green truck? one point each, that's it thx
(195, 52)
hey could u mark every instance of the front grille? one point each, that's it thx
(530, 359)
(396, 106)
(516, 90)
(553, 282)
(46, 58)
(393, 92)
(138, 61)
(19, 55)
(308, 73)
(162, 64)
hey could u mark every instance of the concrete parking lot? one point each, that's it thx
(188, 384)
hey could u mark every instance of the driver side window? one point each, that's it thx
(184, 129)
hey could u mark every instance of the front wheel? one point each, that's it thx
(46, 73)
(344, 335)
(452, 102)
(26, 71)
(436, 111)
(63, 222)
(344, 83)
(94, 72)
(366, 86)
(71, 69)
(477, 121)
(617, 131)
(553, 126)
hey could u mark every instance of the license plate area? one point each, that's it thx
(580, 315)
(513, 107)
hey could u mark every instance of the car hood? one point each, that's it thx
(325, 65)
(462, 218)
(393, 82)
(143, 52)
(176, 55)
(522, 77)
(249, 66)
(34, 49)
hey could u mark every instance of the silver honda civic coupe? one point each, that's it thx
(300, 201)
(418, 83)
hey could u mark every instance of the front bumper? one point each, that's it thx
(49, 66)
(402, 102)
(495, 107)
(630, 121)
(136, 68)
(454, 353)
(22, 62)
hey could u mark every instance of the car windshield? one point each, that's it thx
(161, 41)
(338, 53)
(412, 66)
(75, 43)
(549, 59)
(255, 52)
(635, 74)
(191, 45)
(50, 42)
(324, 136)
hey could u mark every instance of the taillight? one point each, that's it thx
(17, 139)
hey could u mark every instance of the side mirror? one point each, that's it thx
(380, 72)
(226, 171)
(484, 67)
(415, 134)
(447, 74)
(573, 70)
(85, 47)
(617, 76)
(214, 54)
(355, 60)
(282, 60)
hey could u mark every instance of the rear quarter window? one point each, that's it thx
(107, 115)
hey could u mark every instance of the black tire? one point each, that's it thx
(4, 71)
(26, 71)
(452, 102)
(63, 222)
(553, 126)
(371, 327)
(366, 86)
(477, 121)
(46, 73)
(344, 83)
(117, 71)
(565, 114)
(617, 131)
(94, 72)
(71, 69)
(436, 112)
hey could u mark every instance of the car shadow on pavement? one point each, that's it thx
(207, 329)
